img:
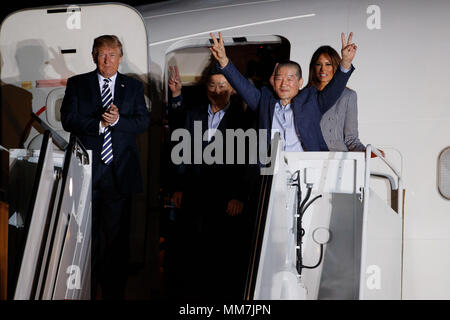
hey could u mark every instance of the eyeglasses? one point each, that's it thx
(214, 85)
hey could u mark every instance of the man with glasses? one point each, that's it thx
(207, 258)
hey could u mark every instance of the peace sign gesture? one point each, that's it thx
(348, 50)
(218, 50)
(174, 81)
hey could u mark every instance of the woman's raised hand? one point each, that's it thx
(348, 50)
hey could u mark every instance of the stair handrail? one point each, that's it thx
(366, 196)
(369, 150)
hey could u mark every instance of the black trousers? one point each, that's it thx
(208, 254)
(110, 235)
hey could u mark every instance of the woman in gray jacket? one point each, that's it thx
(340, 123)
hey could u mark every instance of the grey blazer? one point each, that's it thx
(340, 124)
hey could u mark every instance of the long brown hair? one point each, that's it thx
(332, 55)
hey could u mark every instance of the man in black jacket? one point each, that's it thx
(106, 110)
(210, 245)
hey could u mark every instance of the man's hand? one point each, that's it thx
(348, 51)
(272, 77)
(110, 116)
(174, 81)
(218, 50)
(234, 207)
(373, 155)
(176, 199)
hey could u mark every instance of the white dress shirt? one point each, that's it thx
(111, 84)
(214, 120)
(283, 122)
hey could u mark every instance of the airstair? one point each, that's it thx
(50, 222)
(324, 231)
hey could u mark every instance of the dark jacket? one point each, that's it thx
(221, 180)
(81, 114)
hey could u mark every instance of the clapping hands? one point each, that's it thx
(110, 116)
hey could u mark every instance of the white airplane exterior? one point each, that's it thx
(401, 79)
(403, 102)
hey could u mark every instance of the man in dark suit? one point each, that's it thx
(290, 110)
(106, 110)
(209, 254)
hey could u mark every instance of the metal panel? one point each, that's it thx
(40, 207)
(339, 178)
(382, 273)
(74, 264)
(68, 274)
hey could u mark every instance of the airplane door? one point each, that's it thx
(42, 47)
(248, 53)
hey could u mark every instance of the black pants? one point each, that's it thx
(208, 255)
(110, 235)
